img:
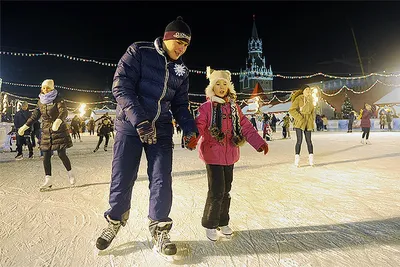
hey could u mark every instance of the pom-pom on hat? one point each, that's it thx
(49, 83)
(216, 75)
(177, 30)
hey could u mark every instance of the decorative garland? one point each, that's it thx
(196, 71)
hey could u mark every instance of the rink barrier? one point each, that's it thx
(341, 125)
(333, 125)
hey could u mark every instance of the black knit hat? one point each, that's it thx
(177, 30)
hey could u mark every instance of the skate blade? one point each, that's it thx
(225, 237)
(44, 189)
(169, 258)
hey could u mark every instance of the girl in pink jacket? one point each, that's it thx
(223, 128)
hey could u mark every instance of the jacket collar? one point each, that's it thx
(162, 52)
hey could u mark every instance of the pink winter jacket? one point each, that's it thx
(225, 153)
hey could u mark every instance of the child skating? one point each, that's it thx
(223, 129)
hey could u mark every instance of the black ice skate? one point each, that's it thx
(161, 239)
(108, 234)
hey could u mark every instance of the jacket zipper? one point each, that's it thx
(162, 96)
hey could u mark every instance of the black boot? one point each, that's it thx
(108, 234)
(161, 239)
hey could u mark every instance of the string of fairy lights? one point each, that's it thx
(200, 95)
(193, 104)
(108, 64)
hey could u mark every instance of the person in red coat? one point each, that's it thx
(366, 123)
(223, 129)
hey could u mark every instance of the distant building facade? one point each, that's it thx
(256, 70)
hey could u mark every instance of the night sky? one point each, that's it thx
(299, 38)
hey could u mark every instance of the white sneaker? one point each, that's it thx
(71, 177)
(296, 160)
(311, 159)
(225, 230)
(212, 234)
(48, 182)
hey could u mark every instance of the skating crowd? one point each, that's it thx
(151, 86)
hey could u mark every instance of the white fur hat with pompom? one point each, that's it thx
(216, 75)
(49, 83)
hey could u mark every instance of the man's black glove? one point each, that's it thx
(146, 132)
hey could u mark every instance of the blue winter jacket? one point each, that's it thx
(149, 86)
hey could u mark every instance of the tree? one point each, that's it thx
(347, 107)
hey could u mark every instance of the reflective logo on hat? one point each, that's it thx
(179, 69)
(181, 35)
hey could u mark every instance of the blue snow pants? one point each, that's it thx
(125, 165)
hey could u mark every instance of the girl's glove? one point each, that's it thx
(146, 132)
(264, 148)
(56, 125)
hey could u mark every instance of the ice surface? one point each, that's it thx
(345, 211)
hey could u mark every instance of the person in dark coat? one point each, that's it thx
(20, 119)
(55, 136)
(253, 121)
(75, 127)
(90, 126)
(351, 121)
(150, 82)
(103, 131)
(274, 120)
(35, 133)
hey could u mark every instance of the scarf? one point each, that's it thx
(216, 121)
(49, 97)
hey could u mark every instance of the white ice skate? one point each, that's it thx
(311, 159)
(225, 231)
(367, 142)
(71, 177)
(212, 234)
(48, 183)
(296, 160)
(362, 141)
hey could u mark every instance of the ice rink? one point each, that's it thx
(344, 211)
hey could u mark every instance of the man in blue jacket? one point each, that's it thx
(150, 81)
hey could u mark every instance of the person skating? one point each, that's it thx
(90, 126)
(286, 126)
(20, 118)
(103, 131)
(150, 86)
(223, 129)
(303, 112)
(75, 127)
(352, 117)
(55, 136)
(366, 114)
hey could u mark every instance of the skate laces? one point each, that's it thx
(163, 239)
(111, 231)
